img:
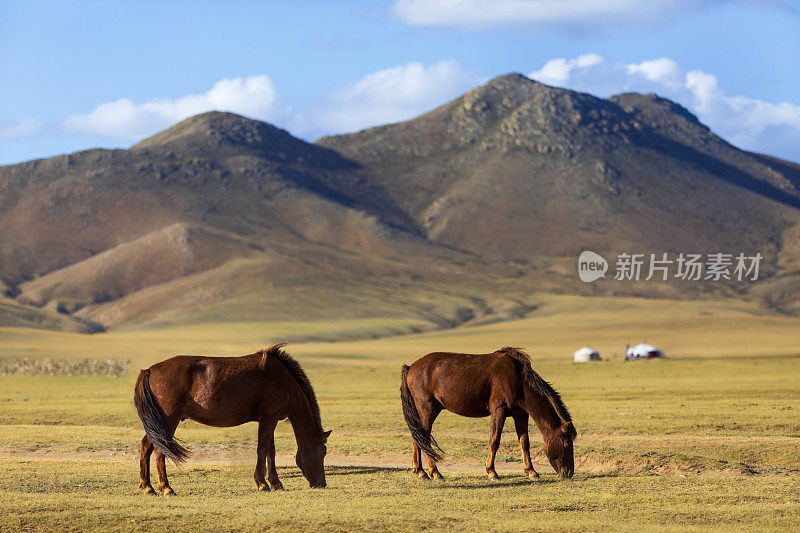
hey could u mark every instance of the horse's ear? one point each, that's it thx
(569, 429)
(325, 435)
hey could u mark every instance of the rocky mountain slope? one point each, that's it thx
(518, 169)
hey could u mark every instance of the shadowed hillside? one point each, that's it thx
(217, 169)
(220, 218)
(175, 251)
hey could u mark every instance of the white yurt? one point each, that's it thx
(643, 351)
(586, 354)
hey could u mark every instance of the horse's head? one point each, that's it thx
(558, 448)
(310, 459)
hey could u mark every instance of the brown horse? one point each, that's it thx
(499, 385)
(263, 387)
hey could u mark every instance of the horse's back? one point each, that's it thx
(185, 369)
(172, 376)
(466, 384)
(217, 391)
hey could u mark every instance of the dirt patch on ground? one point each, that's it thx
(652, 464)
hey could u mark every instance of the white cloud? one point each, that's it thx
(405, 91)
(750, 123)
(253, 96)
(663, 71)
(478, 14)
(559, 70)
(389, 95)
(592, 73)
(19, 128)
(547, 14)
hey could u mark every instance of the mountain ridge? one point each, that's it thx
(494, 193)
(582, 161)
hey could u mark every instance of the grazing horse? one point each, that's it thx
(499, 384)
(263, 387)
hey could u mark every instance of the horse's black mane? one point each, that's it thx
(535, 381)
(299, 376)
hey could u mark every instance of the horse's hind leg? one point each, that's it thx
(433, 471)
(416, 461)
(498, 420)
(144, 466)
(266, 431)
(521, 425)
(161, 464)
(161, 467)
(427, 414)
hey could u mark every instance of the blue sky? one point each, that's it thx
(77, 75)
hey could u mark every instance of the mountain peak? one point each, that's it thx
(512, 78)
(216, 128)
(512, 84)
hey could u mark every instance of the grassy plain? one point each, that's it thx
(706, 438)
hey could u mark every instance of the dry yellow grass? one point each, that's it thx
(563, 324)
(705, 439)
(558, 326)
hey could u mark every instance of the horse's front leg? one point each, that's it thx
(521, 425)
(144, 466)
(498, 420)
(266, 429)
(272, 474)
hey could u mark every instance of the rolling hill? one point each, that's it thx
(461, 214)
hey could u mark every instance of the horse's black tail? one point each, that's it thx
(421, 436)
(153, 420)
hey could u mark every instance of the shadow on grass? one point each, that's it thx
(600, 475)
(454, 482)
(502, 483)
(353, 470)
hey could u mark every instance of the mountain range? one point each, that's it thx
(462, 214)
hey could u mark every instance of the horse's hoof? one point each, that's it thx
(494, 478)
(263, 488)
(438, 477)
(277, 486)
(147, 489)
(423, 476)
(533, 475)
(168, 492)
